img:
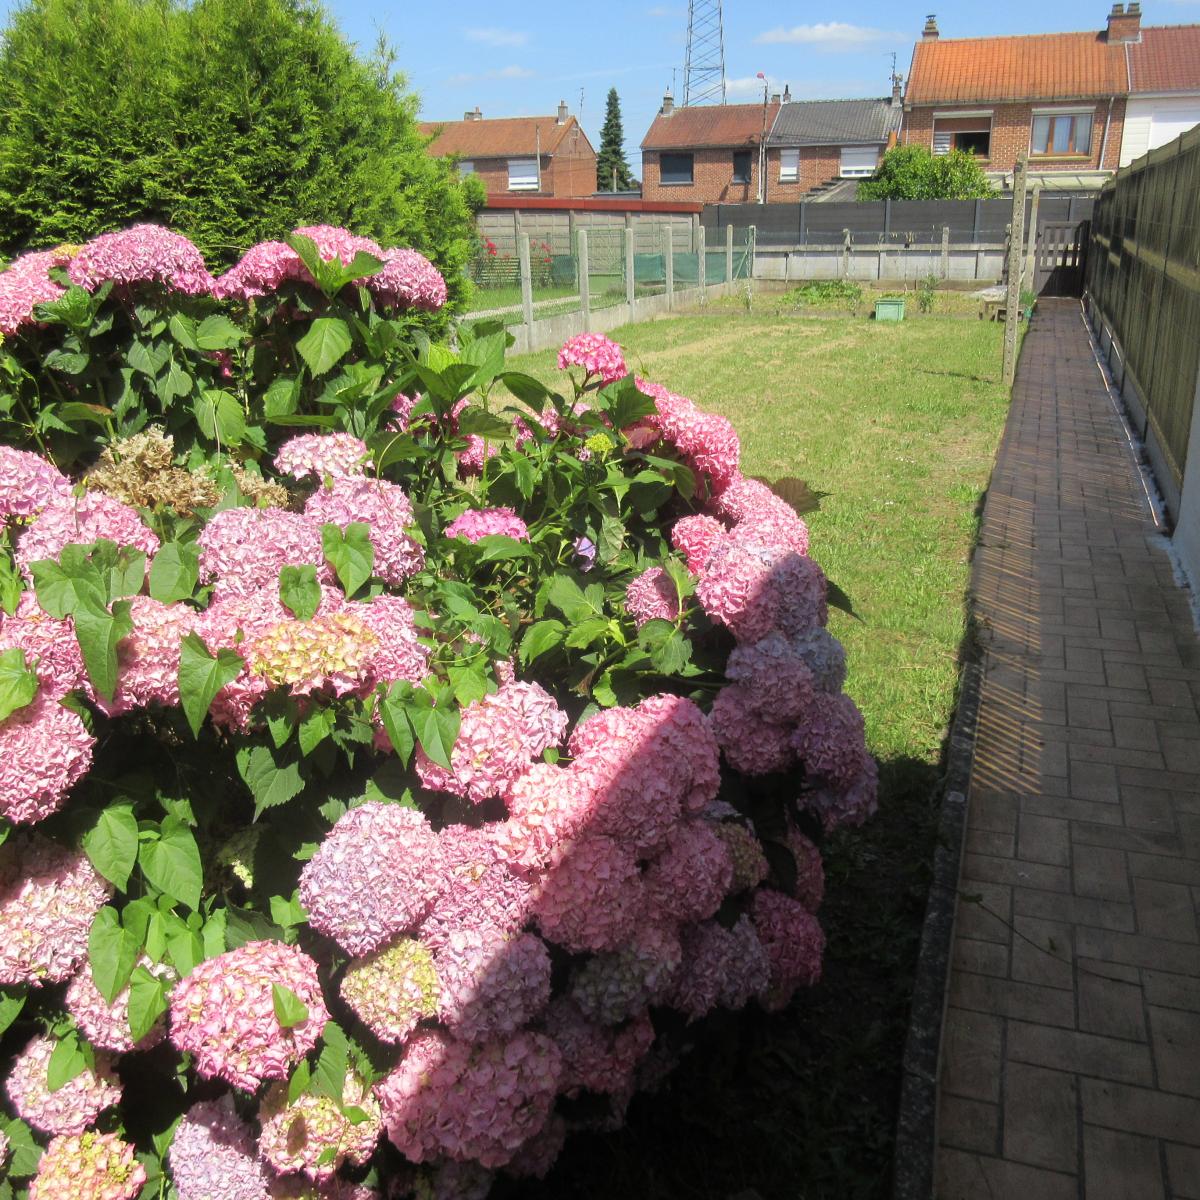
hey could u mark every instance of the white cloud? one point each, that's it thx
(500, 73)
(751, 86)
(665, 10)
(497, 37)
(829, 35)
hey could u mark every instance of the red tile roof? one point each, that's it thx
(1167, 59)
(500, 137)
(709, 125)
(1051, 66)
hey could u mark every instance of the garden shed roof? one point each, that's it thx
(834, 122)
(500, 137)
(709, 125)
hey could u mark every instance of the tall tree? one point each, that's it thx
(610, 162)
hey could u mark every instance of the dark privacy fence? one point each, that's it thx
(887, 221)
(1143, 283)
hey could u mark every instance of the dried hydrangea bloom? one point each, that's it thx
(312, 1135)
(793, 940)
(831, 740)
(652, 595)
(49, 895)
(696, 537)
(750, 865)
(213, 1155)
(88, 1166)
(596, 354)
(596, 1058)
(491, 984)
(386, 509)
(45, 749)
(140, 471)
(750, 744)
(106, 1025)
(148, 658)
(722, 968)
(330, 653)
(25, 284)
(775, 679)
(223, 1014)
(408, 280)
(244, 549)
(592, 897)
(141, 254)
(499, 736)
(70, 520)
(322, 455)
(611, 988)
(375, 876)
(462, 1101)
(477, 523)
(68, 1109)
(27, 481)
(691, 876)
(393, 989)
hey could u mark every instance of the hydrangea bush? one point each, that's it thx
(396, 754)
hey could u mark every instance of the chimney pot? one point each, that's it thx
(787, 93)
(563, 113)
(775, 97)
(931, 27)
(668, 105)
(1125, 23)
(897, 97)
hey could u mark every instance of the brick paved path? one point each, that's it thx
(1071, 1050)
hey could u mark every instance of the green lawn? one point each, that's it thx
(898, 424)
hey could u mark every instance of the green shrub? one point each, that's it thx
(912, 173)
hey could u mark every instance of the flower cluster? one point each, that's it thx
(652, 595)
(595, 354)
(322, 455)
(106, 1025)
(25, 285)
(477, 523)
(386, 509)
(45, 749)
(69, 520)
(213, 1155)
(88, 1166)
(141, 254)
(70, 1108)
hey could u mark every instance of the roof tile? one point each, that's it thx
(834, 122)
(710, 125)
(499, 137)
(1167, 59)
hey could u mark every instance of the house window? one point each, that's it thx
(971, 133)
(522, 175)
(859, 162)
(741, 166)
(1061, 133)
(675, 168)
(466, 167)
(789, 166)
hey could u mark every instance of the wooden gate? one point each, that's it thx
(1060, 259)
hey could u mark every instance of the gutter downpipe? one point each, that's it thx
(1104, 141)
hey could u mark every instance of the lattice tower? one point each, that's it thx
(704, 69)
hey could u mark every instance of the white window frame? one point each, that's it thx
(857, 172)
(789, 165)
(526, 180)
(465, 167)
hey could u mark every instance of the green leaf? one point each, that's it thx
(482, 423)
(329, 1076)
(540, 637)
(270, 782)
(11, 1004)
(202, 676)
(185, 947)
(290, 1010)
(672, 654)
(68, 362)
(172, 863)
(469, 683)
(349, 553)
(11, 585)
(298, 1084)
(174, 572)
(436, 729)
(112, 843)
(569, 598)
(147, 1002)
(315, 726)
(18, 684)
(527, 389)
(612, 539)
(498, 547)
(220, 417)
(25, 1151)
(67, 1061)
(60, 587)
(98, 633)
(288, 912)
(299, 591)
(586, 632)
(394, 711)
(213, 935)
(325, 344)
(183, 330)
(281, 398)
(218, 332)
(127, 573)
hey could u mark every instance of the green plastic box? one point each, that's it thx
(889, 309)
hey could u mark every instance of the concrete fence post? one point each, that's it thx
(845, 263)
(630, 279)
(751, 250)
(585, 293)
(526, 282)
(670, 267)
(728, 253)
(1031, 255)
(945, 251)
(701, 266)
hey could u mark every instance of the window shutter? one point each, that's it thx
(789, 166)
(859, 161)
(522, 175)
(942, 142)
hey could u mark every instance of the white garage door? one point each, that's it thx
(1167, 126)
(859, 160)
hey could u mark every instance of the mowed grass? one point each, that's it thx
(898, 424)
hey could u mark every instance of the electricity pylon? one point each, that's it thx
(704, 69)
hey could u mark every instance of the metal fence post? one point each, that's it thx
(728, 253)
(526, 282)
(701, 272)
(945, 251)
(585, 292)
(629, 267)
(670, 267)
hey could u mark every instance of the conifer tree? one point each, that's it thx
(612, 152)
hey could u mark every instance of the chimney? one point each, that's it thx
(562, 112)
(775, 97)
(1125, 23)
(787, 94)
(897, 97)
(930, 32)
(473, 114)
(668, 105)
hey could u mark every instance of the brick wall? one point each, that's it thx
(1012, 126)
(818, 164)
(712, 178)
(563, 175)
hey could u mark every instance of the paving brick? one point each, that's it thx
(963, 1176)
(1042, 952)
(1087, 712)
(1080, 1053)
(1111, 1007)
(1016, 872)
(1120, 1166)
(1099, 873)
(1141, 1110)
(1078, 810)
(1138, 950)
(1172, 990)
(1011, 998)
(1094, 781)
(1183, 1172)
(982, 841)
(1084, 833)
(1161, 866)
(1165, 910)
(1039, 1117)
(993, 811)
(972, 1050)
(1077, 910)
(983, 958)
(1043, 840)
(984, 912)
(969, 1124)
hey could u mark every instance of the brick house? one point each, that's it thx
(710, 154)
(535, 156)
(1164, 86)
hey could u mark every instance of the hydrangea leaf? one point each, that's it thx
(183, 330)
(213, 935)
(202, 676)
(393, 709)
(540, 637)
(220, 417)
(68, 1060)
(61, 587)
(218, 332)
(349, 553)
(570, 599)
(11, 585)
(147, 1002)
(11, 1004)
(299, 1082)
(299, 591)
(174, 572)
(112, 843)
(290, 1010)
(25, 1151)
(437, 731)
(271, 783)
(98, 632)
(18, 684)
(315, 726)
(329, 1075)
(325, 344)
(171, 863)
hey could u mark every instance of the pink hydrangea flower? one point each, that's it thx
(611, 988)
(334, 242)
(26, 284)
(809, 887)
(750, 865)
(148, 659)
(408, 280)
(397, 655)
(312, 1136)
(462, 1100)
(88, 1166)
(722, 968)
(386, 509)
(336, 455)
(775, 680)
(142, 254)
(213, 1155)
(45, 749)
(328, 654)
(592, 897)
(652, 595)
(750, 743)
(595, 354)
(223, 1014)
(697, 537)
(825, 657)
(793, 940)
(692, 875)
(402, 407)
(27, 481)
(393, 989)
(499, 736)
(709, 444)
(849, 805)
(476, 523)
(106, 1025)
(537, 1156)
(51, 648)
(595, 1057)
(261, 271)
(549, 806)
(770, 524)
(374, 877)
(244, 549)
(831, 740)
(68, 1109)
(491, 984)
(69, 520)
(754, 594)
(48, 897)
